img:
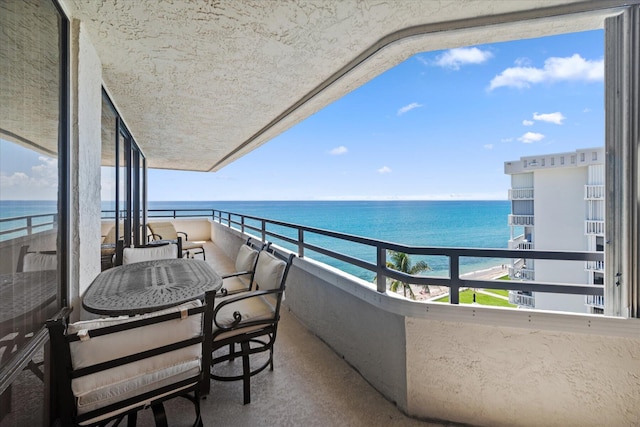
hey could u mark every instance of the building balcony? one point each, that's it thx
(520, 243)
(594, 227)
(522, 300)
(521, 194)
(594, 192)
(522, 273)
(521, 220)
(594, 266)
(595, 301)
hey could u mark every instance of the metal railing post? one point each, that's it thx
(29, 226)
(242, 219)
(264, 230)
(454, 272)
(381, 279)
(300, 243)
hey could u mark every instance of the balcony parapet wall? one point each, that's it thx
(450, 363)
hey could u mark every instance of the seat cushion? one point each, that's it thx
(163, 230)
(40, 262)
(246, 258)
(269, 271)
(131, 255)
(251, 309)
(116, 384)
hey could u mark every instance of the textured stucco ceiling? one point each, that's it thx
(201, 83)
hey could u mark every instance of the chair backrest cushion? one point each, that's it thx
(98, 349)
(35, 261)
(164, 229)
(131, 255)
(246, 259)
(269, 271)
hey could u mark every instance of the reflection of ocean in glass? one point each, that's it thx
(23, 211)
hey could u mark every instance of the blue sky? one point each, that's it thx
(438, 126)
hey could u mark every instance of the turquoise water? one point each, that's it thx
(470, 224)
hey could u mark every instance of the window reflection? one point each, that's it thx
(30, 135)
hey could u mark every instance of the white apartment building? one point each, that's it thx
(558, 203)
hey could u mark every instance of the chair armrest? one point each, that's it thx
(237, 315)
(238, 273)
(185, 234)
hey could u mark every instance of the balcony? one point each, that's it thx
(521, 220)
(594, 192)
(521, 194)
(522, 273)
(595, 301)
(520, 243)
(522, 300)
(594, 266)
(594, 227)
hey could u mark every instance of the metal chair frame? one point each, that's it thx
(65, 406)
(261, 337)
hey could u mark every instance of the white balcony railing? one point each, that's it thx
(522, 300)
(521, 194)
(522, 245)
(523, 220)
(594, 265)
(594, 192)
(594, 227)
(522, 273)
(595, 300)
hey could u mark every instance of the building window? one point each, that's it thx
(573, 160)
(594, 156)
(562, 160)
(542, 162)
(553, 161)
(34, 168)
(582, 157)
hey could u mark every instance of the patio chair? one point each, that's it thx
(164, 250)
(250, 319)
(106, 369)
(167, 231)
(36, 261)
(241, 279)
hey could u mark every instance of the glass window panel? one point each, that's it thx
(30, 208)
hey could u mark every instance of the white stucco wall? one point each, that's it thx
(86, 107)
(502, 376)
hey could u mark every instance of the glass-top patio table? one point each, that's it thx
(148, 286)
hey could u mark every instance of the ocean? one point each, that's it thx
(470, 224)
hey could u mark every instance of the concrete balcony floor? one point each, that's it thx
(309, 386)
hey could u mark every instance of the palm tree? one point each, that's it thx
(401, 262)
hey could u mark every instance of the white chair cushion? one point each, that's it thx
(257, 308)
(269, 271)
(39, 262)
(131, 255)
(246, 259)
(113, 385)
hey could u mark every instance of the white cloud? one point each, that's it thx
(384, 169)
(530, 137)
(41, 183)
(506, 140)
(408, 108)
(527, 123)
(573, 68)
(454, 58)
(556, 117)
(488, 146)
(338, 150)
(586, 110)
